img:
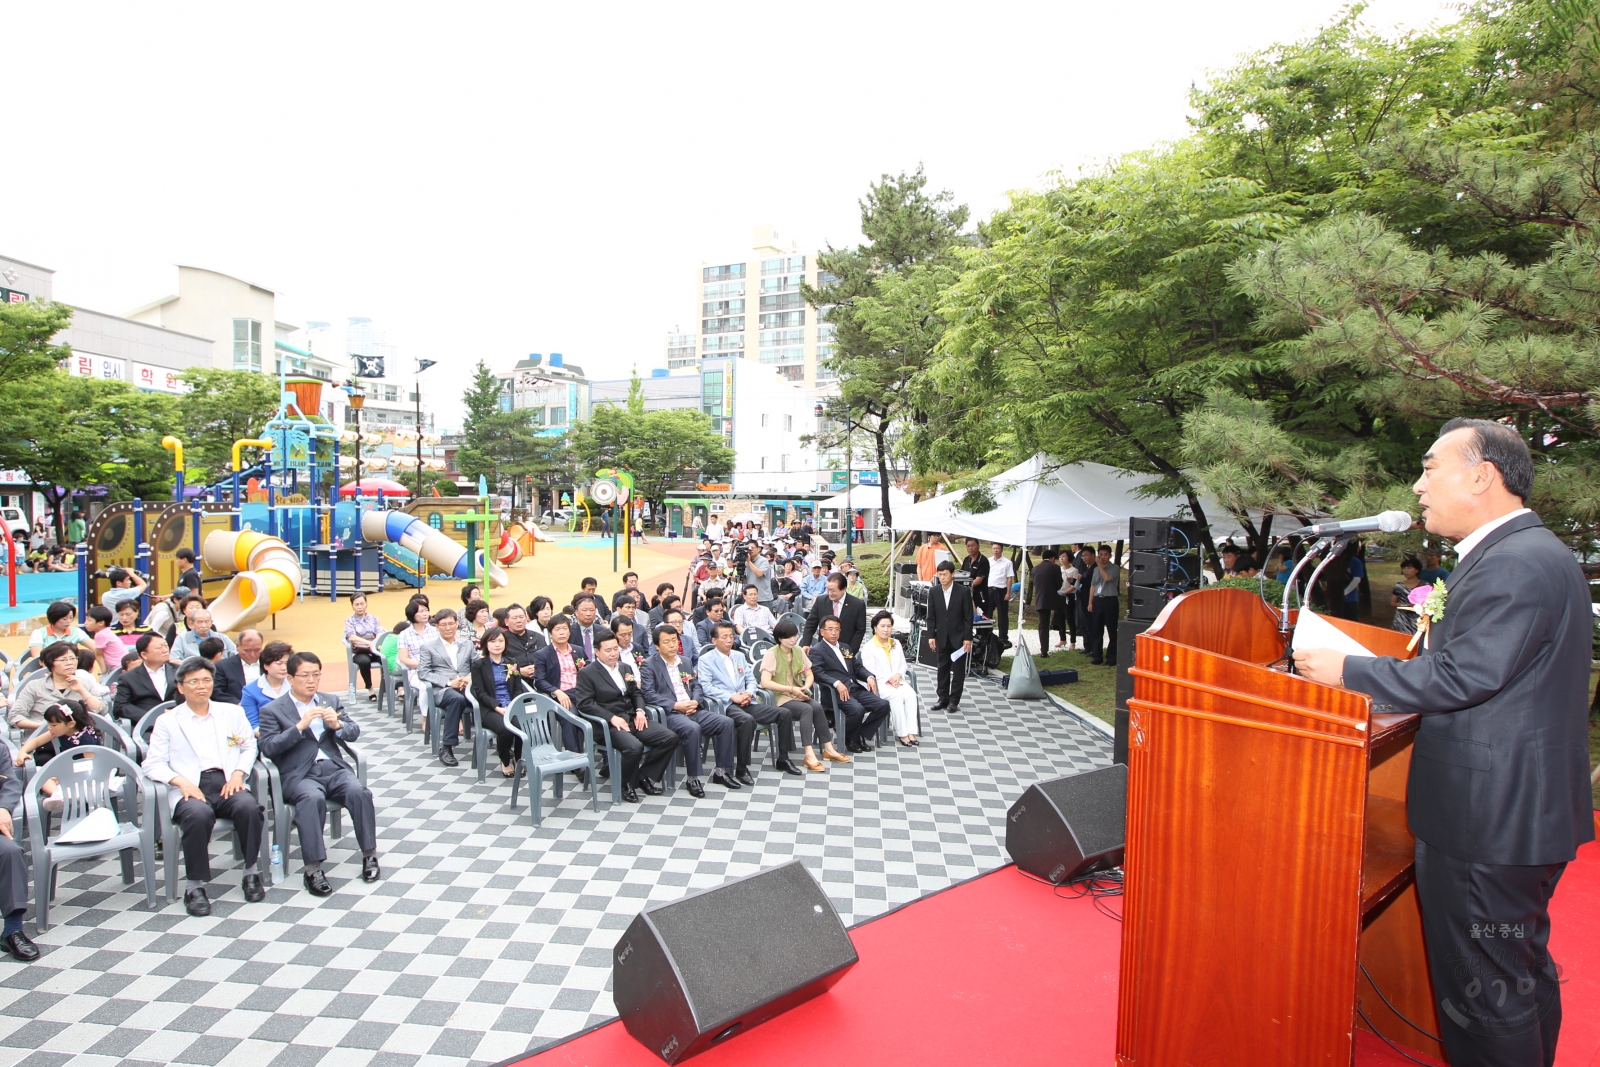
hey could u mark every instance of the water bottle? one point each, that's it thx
(277, 864)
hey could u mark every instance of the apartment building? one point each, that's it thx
(558, 392)
(748, 306)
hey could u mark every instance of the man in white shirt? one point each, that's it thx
(204, 751)
(236, 672)
(751, 612)
(1002, 575)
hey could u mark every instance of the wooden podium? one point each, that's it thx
(1267, 852)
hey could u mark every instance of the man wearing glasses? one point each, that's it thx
(204, 751)
(303, 732)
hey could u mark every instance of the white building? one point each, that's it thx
(239, 317)
(556, 391)
(761, 414)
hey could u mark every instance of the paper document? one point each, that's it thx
(1313, 631)
(98, 825)
(957, 654)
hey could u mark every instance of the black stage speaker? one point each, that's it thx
(693, 972)
(1157, 535)
(1146, 601)
(1164, 568)
(1127, 630)
(1063, 827)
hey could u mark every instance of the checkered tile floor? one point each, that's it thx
(486, 937)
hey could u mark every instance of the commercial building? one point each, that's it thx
(748, 306)
(557, 392)
(761, 414)
(240, 319)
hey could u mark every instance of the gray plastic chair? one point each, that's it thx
(281, 813)
(147, 723)
(85, 777)
(172, 839)
(536, 719)
(115, 736)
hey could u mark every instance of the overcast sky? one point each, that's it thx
(489, 180)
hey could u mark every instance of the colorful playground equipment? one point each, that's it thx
(266, 579)
(432, 544)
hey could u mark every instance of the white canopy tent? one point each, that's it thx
(1036, 505)
(869, 496)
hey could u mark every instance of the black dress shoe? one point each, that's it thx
(448, 757)
(317, 884)
(1096, 660)
(20, 947)
(724, 779)
(252, 889)
(605, 771)
(747, 778)
(631, 796)
(369, 869)
(195, 902)
(954, 709)
(941, 705)
(696, 790)
(582, 775)
(649, 788)
(789, 767)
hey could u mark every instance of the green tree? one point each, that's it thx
(482, 400)
(505, 447)
(882, 301)
(221, 407)
(664, 450)
(67, 432)
(25, 333)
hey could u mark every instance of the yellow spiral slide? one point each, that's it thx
(268, 578)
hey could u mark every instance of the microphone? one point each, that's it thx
(1388, 522)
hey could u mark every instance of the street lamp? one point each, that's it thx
(422, 365)
(356, 399)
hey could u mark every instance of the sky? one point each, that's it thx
(489, 180)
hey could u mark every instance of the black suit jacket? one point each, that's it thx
(283, 743)
(135, 694)
(520, 648)
(827, 668)
(483, 682)
(1500, 764)
(598, 696)
(950, 626)
(852, 621)
(230, 680)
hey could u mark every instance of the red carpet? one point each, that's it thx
(1001, 971)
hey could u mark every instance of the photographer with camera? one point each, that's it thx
(125, 585)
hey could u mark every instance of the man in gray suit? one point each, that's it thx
(305, 733)
(1499, 791)
(13, 863)
(446, 665)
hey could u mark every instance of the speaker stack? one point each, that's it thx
(694, 972)
(1066, 827)
(1164, 562)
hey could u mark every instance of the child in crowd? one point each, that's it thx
(67, 726)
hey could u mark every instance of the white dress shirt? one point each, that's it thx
(252, 671)
(616, 676)
(204, 735)
(158, 679)
(1475, 538)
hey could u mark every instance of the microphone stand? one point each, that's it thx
(1289, 586)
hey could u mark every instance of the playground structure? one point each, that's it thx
(436, 547)
(264, 529)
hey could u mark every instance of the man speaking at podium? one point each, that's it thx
(1499, 793)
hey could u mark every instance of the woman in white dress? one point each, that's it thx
(882, 655)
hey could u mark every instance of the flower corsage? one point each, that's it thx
(1428, 601)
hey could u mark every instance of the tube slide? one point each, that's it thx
(437, 548)
(267, 581)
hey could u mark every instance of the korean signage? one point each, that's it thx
(85, 365)
(11, 296)
(161, 379)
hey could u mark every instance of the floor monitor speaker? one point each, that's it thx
(693, 972)
(1065, 827)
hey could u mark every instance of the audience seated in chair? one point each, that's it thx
(307, 734)
(496, 682)
(609, 694)
(204, 751)
(446, 665)
(786, 673)
(838, 668)
(669, 684)
(236, 672)
(270, 684)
